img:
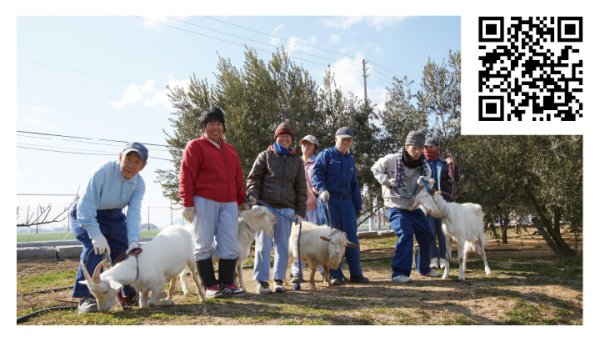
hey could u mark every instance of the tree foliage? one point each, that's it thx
(508, 175)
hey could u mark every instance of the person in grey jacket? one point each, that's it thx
(277, 178)
(398, 174)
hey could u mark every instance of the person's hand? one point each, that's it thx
(324, 196)
(132, 245)
(252, 200)
(392, 182)
(298, 218)
(189, 213)
(100, 245)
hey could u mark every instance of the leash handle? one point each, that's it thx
(327, 212)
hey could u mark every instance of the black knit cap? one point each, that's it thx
(212, 114)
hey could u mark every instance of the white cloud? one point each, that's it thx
(275, 40)
(160, 99)
(347, 74)
(342, 22)
(131, 96)
(382, 22)
(149, 86)
(378, 22)
(292, 44)
(38, 116)
(335, 38)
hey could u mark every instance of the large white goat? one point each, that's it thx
(161, 260)
(462, 222)
(250, 222)
(319, 246)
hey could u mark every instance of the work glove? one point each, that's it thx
(100, 245)
(189, 213)
(324, 196)
(298, 218)
(392, 182)
(252, 200)
(132, 245)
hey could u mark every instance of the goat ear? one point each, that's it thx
(115, 285)
(84, 282)
(325, 238)
(351, 244)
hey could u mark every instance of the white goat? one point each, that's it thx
(461, 222)
(319, 246)
(250, 223)
(161, 260)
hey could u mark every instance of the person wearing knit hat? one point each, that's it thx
(445, 174)
(99, 222)
(284, 128)
(277, 178)
(211, 186)
(340, 203)
(398, 174)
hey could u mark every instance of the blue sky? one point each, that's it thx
(105, 77)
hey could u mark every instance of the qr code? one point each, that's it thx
(530, 68)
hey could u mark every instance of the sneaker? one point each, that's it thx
(232, 290)
(263, 288)
(295, 279)
(87, 305)
(128, 302)
(401, 279)
(279, 286)
(359, 279)
(434, 263)
(213, 291)
(432, 274)
(337, 281)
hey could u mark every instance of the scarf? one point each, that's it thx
(278, 149)
(405, 159)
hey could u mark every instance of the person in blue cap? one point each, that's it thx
(334, 176)
(99, 223)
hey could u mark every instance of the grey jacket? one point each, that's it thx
(279, 181)
(385, 169)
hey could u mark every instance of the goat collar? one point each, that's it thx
(135, 252)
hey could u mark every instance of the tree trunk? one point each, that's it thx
(504, 225)
(549, 230)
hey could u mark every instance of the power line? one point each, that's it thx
(244, 45)
(80, 153)
(301, 43)
(86, 138)
(77, 71)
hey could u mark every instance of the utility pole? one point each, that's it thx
(364, 62)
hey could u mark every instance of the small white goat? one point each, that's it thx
(161, 260)
(461, 222)
(250, 223)
(319, 246)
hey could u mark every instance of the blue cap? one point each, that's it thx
(138, 148)
(345, 132)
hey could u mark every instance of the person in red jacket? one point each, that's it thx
(211, 186)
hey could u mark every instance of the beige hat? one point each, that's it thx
(311, 139)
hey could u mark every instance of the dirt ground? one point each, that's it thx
(529, 285)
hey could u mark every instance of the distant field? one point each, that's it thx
(64, 236)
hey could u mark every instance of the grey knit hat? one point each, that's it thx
(432, 142)
(415, 138)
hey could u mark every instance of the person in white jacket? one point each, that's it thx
(398, 174)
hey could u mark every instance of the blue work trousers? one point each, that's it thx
(281, 240)
(407, 224)
(343, 217)
(113, 225)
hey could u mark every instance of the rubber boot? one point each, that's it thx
(227, 275)
(207, 272)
